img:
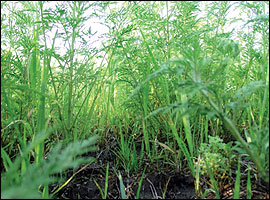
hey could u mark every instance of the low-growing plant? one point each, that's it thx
(140, 185)
(217, 155)
(128, 157)
(236, 194)
(122, 187)
(104, 194)
(127, 153)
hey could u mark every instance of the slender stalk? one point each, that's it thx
(70, 93)
(236, 193)
(41, 119)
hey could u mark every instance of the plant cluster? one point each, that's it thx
(218, 156)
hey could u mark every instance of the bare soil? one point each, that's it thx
(156, 183)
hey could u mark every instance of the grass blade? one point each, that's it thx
(236, 193)
(100, 190)
(106, 181)
(140, 185)
(213, 181)
(249, 193)
(6, 160)
(122, 187)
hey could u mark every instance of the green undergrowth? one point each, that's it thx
(170, 87)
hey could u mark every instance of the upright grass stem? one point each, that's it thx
(187, 126)
(41, 118)
(69, 120)
(183, 147)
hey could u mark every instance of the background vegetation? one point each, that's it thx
(173, 78)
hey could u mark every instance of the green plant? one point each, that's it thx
(104, 194)
(127, 153)
(140, 185)
(212, 179)
(122, 187)
(249, 193)
(258, 141)
(166, 74)
(236, 193)
(217, 156)
(42, 173)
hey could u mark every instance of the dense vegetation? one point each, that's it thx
(178, 85)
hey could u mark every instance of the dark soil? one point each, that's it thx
(156, 184)
(153, 186)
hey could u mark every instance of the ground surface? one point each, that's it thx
(156, 184)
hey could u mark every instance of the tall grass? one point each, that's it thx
(168, 79)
